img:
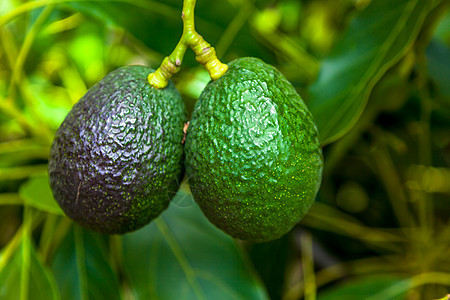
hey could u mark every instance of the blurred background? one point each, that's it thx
(376, 76)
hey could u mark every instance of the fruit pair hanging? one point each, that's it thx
(251, 151)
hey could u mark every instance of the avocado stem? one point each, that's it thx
(205, 54)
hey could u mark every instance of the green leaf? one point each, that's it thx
(141, 19)
(212, 18)
(25, 273)
(376, 39)
(438, 58)
(372, 287)
(36, 192)
(271, 260)
(82, 269)
(181, 255)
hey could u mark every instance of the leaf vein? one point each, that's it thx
(180, 256)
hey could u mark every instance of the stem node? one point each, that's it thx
(160, 78)
(208, 58)
(205, 54)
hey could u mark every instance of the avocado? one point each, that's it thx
(118, 159)
(253, 156)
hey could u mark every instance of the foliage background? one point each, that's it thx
(375, 75)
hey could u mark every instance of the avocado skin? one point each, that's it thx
(253, 156)
(117, 159)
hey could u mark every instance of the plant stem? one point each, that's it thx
(26, 248)
(309, 277)
(81, 262)
(205, 54)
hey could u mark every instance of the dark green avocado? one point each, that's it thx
(253, 156)
(117, 159)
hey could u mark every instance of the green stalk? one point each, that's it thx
(205, 54)
(26, 248)
(81, 262)
(309, 277)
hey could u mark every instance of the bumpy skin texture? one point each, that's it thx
(117, 159)
(252, 152)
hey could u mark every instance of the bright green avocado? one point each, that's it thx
(252, 152)
(117, 159)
